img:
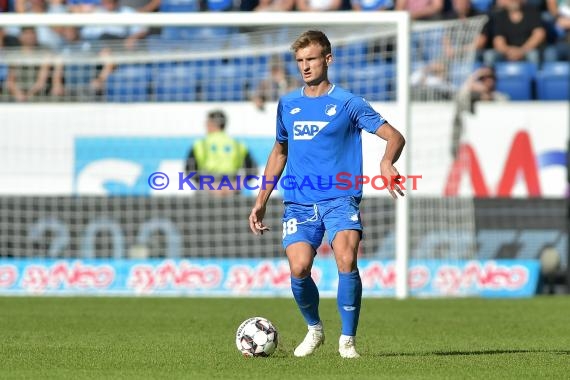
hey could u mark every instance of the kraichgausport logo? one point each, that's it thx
(307, 130)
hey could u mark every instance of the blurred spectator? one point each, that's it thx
(318, 5)
(518, 34)
(82, 6)
(4, 6)
(72, 42)
(421, 9)
(275, 5)
(8, 39)
(278, 83)
(551, 6)
(142, 5)
(372, 5)
(78, 77)
(248, 5)
(461, 10)
(479, 86)
(48, 36)
(431, 81)
(105, 69)
(110, 38)
(219, 156)
(548, 8)
(35, 6)
(560, 49)
(484, 43)
(128, 35)
(29, 81)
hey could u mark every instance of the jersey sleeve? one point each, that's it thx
(363, 116)
(281, 134)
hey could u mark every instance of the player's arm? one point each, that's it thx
(394, 145)
(273, 170)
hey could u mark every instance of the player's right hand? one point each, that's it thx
(256, 220)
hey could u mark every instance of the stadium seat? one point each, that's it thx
(156, 44)
(553, 81)
(175, 82)
(277, 37)
(179, 6)
(225, 83)
(238, 40)
(373, 82)
(516, 79)
(197, 38)
(177, 34)
(251, 67)
(225, 91)
(350, 52)
(429, 43)
(78, 75)
(336, 75)
(459, 72)
(205, 68)
(482, 6)
(3, 72)
(128, 83)
(219, 5)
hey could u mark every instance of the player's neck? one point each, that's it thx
(317, 90)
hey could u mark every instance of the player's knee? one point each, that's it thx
(300, 270)
(346, 261)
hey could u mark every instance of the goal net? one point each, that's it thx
(87, 120)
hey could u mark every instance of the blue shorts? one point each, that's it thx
(302, 223)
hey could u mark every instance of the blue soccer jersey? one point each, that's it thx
(324, 140)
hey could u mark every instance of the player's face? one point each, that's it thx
(312, 64)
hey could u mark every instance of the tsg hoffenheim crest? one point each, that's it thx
(330, 109)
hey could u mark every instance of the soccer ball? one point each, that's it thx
(257, 337)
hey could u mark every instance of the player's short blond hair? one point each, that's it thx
(310, 37)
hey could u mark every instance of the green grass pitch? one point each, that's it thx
(194, 338)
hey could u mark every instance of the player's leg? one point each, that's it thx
(302, 234)
(345, 230)
(305, 292)
(349, 293)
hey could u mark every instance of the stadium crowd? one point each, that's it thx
(532, 31)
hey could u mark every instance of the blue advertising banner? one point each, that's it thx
(122, 165)
(259, 277)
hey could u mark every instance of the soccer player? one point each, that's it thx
(318, 136)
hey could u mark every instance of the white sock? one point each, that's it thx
(345, 338)
(318, 326)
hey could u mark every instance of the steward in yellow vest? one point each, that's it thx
(219, 155)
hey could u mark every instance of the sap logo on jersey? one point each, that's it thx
(306, 130)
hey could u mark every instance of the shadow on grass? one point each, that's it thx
(474, 352)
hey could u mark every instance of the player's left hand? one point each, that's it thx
(256, 220)
(389, 172)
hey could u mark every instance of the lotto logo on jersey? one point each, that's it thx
(306, 130)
